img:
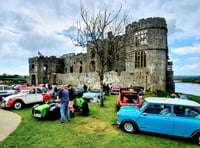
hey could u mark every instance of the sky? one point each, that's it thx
(29, 26)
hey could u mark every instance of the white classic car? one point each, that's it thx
(26, 96)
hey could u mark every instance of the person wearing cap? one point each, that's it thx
(64, 108)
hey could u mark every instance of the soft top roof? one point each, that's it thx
(175, 101)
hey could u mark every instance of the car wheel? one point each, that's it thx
(118, 107)
(129, 127)
(196, 139)
(85, 109)
(17, 105)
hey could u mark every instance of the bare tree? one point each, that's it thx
(102, 33)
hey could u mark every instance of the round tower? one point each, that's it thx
(147, 52)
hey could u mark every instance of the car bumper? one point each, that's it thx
(3, 105)
(36, 115)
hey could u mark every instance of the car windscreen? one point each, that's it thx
(142, 106)
(116, 87)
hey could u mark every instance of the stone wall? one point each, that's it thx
(125, 79)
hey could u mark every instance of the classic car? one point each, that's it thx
(29, 95)
(115, 89)
(127, 96)
(175, 117)
(6, 90)
(78, 91)
(92, 95)
(52, 111)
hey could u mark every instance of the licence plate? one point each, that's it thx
(37, 115)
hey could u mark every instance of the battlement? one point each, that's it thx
(44, 59)
(153, 22)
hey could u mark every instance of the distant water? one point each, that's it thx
(188, 88)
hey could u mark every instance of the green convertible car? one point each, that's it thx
(52, 111)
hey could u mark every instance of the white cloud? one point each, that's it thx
(29, 26)
(193, 69)
(187, 50)
(175, 60)
(194, 59)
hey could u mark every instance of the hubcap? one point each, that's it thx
(128, 127)
(18, 105)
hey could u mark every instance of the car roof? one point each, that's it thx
(175, 101)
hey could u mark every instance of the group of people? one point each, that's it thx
(180, 95)
(65, 94)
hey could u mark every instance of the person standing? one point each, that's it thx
(55, 92)
(71, 99)
(64, 108)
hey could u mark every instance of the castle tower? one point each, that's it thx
(42, 69)
(147, 53)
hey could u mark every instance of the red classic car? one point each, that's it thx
(115, 89)
(127, 97)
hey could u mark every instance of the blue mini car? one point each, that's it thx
(170, 116)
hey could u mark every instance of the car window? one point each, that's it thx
(163, 110)
(39, 91)
(32, 91)
(44, 90)
(116, 87)
(185, 111)
(142, 106)
(129, 98)
(1, 88)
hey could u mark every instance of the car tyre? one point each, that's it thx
(85, 109)
(129, 127)
(17, 105)
(196, 138)
(118, 107)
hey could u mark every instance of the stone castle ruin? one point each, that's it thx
(147, 63)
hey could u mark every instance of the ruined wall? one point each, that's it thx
(42, 68)
(125, 79)
(145, 52)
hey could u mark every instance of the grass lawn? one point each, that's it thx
(97, 130)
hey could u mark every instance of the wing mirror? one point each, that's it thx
(144, 114)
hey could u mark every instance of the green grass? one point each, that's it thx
(97, 130)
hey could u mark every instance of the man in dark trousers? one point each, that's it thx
(64, 108)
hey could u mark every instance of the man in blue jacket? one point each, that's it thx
(64, 108)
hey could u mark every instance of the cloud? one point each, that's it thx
(187, 50)
(175, 60)
(194, 59)
(193, 69)
(29, 26)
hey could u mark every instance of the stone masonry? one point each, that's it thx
(146, 62)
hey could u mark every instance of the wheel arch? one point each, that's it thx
(195, 133)
(129, 120)
(18, 100)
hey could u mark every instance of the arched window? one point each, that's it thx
(71, 69)
(80, 70)
(45, 67)
(33, 80)
(32, 67)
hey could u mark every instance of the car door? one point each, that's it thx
(39, 96)
(185, 121)
(31, 97)
(152, 121)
